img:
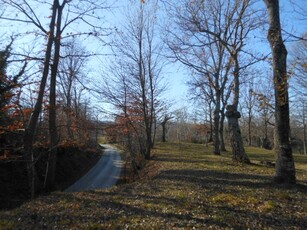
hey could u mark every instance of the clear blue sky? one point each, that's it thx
(175, 75)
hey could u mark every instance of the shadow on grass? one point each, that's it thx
(128, 205)
(106, 208)
(246, 219)
(123, 213)
(179, 159)
(220, 216)
(207, 178)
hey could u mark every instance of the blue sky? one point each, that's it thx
(176, 74)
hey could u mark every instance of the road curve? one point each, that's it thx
(103, 175)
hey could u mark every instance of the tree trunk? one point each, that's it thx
(31, 127)
(238, 152)
(164, 127)
(221, 132)
(233, 115)
(216, 138)
(148, 148)
(285, 168)
(249, 130)
(304, 128)
(163, 124)
(52, 159)
(210, 139)
(69, 107)
(216, 117)
(250, 116)
(69, 120)
(304, 139)
(153, 142)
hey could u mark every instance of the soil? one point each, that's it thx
(73, 162)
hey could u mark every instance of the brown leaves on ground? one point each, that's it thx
(189, 189)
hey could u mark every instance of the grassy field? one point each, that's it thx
(183, 187)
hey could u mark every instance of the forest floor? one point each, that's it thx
(184, 186)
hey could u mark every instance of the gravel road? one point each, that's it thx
(103, 175)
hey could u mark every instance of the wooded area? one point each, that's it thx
(72, 76)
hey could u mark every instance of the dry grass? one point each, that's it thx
(190, 189)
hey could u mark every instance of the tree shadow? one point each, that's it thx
(126, 204)
(181, 159)
(217, 215)
(120, 210)
(207, 178)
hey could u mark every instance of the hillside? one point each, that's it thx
(183, 187)
(73, 162)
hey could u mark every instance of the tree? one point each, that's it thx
(116, 92)
(63, 15)
(249, 101)
(165, 119)
(9, 92)
(298, 71)
(204, 55)
(138, 51)
(299, 10)
(71, 67)
(284, 169)
(265, 104)
(205, 99)
(299, 66)
(299, 125)
(225, 25)
(7, 83)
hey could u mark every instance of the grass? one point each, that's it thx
(191, 189)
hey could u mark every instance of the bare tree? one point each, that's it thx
(298, 71)
(206, 57)
(299, 125)
(181, 117)
(299, 66)
(71, 69)
(63, 16)
(249, 101)
(265, 105)
(299, 11)
(8, 83)
(226, 25)
(138, 47)
(285, 169)
(165, 119)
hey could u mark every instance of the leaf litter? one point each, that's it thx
(183, 187)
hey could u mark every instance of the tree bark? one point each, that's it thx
(52, 159)
(249, 130)
(163, 124)
(233, 115)
(210, 139)
(221, 131)
(285, 168)
(216, 138)
(238, 152)
(31, 127)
